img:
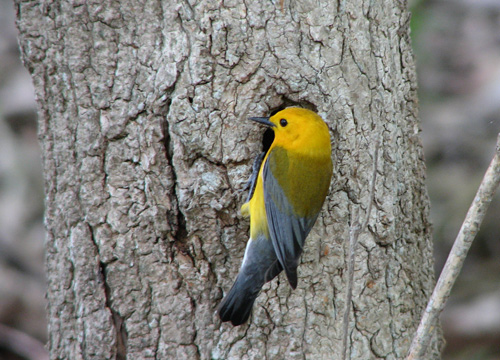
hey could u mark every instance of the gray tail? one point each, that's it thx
(259, 266)
(237, 305)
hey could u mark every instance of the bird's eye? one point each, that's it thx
(283, 122)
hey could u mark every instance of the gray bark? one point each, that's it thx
(145, 147)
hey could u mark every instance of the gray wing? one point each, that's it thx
(252, 181)
(288, 232)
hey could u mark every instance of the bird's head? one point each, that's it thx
(298, 129)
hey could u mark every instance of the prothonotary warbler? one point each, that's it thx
(286, 197)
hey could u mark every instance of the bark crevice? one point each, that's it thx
(121, 336)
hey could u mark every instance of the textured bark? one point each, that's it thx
(145, 148)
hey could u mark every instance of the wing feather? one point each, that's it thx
(288, 231)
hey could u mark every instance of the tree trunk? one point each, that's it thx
(146, 146)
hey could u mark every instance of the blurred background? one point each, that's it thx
(457, 47)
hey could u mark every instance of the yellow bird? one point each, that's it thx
(288, 190)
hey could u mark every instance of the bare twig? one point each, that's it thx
(455, 260)
(356, 229)
(21, 344)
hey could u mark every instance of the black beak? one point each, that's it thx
(262, 120)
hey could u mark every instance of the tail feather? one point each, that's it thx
(237, 305)
(260, 265)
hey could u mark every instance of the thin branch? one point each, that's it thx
(356, 229)
(457, 256)
(353, 239)
(21, 344)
